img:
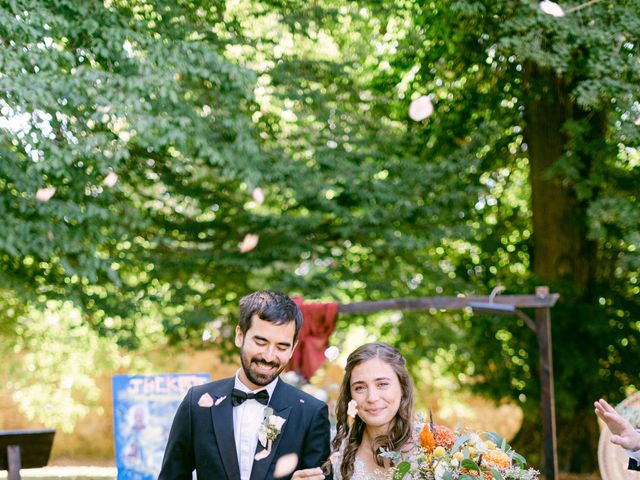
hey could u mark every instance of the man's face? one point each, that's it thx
(265, 350)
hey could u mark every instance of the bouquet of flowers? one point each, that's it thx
(444, 454)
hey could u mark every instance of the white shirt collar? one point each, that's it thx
(242, 387)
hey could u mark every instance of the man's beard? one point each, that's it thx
(259, 378)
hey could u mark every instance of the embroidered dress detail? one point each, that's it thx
(359, 472)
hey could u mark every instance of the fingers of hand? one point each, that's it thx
(308, 474)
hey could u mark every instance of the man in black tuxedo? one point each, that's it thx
(622, 431)
(216, 428)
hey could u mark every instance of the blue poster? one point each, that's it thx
(143, 409)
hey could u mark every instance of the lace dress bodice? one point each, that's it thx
(359, 472)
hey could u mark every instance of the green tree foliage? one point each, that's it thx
(288, 120)
(541, 114)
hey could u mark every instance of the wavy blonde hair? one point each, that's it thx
(401, 428)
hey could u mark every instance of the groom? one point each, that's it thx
(215, 430)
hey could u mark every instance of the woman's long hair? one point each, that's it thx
(401, 428)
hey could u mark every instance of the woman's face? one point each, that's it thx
(376, 388)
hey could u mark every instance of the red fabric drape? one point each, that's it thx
(313, 339)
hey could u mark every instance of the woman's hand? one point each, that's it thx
(308, 474)
(622, 431)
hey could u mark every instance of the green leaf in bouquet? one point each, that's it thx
(447, 476)
(401, 470)
(519, 459)
(495, 438)
(391, 455)
(459, 442)
(496, 474)
(465, 452)
(469, 465)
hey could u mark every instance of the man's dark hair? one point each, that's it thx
(274, 307)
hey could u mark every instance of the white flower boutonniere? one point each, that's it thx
(269, 430)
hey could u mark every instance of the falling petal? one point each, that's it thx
(110, 180)
(50, 235)
(352, 411)
(220, 400)
(258, 195)
(249, 242)
(331, 353)
(420, 108)
(264, 453)
(551, 8)
(45, 194)
(637, 122)
(285, 465)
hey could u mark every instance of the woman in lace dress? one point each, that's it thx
(377, 379)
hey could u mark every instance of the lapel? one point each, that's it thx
(282, 408)
(222, 418)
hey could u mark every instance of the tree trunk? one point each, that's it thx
(561, 249)
(562, 255)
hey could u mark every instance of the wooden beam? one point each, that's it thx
(14, 462)
(449, 303)
(547, 394)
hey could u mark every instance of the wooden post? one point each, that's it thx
(13, 459)
(547, 395)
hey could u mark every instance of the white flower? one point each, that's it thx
(276, 422)
(269, 430)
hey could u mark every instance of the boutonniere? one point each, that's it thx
(269, 430)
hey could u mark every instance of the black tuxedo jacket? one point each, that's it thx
(634, 464)
(201, 437)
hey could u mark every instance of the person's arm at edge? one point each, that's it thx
(622, 432)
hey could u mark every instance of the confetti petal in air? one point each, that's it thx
(249, 242)
(258, 195)
(45, 194)
(420, 108)
(551, 8)
(352, 411)
(285, 465)
(262, 454)
(637, 122)
(110, 180)
(331, 353)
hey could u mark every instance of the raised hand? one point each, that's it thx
(622, 431)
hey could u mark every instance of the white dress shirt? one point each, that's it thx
(247, 418)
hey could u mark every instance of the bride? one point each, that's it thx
(376, 378)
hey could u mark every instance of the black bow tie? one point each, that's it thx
(238, 396)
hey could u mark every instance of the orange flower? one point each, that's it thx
(426, 439)
(475, 473)
(444, 438)
(495, 458)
